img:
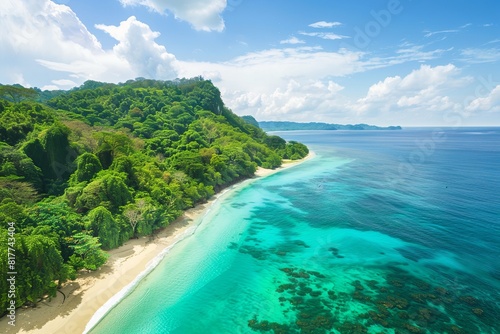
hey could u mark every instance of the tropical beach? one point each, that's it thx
(156, 171)
(79, 300)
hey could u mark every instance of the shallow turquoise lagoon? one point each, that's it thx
(382, 232)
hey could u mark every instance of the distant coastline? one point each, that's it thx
(290, 126)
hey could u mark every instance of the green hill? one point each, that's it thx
(87, 169)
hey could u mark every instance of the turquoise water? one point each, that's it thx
(382, 232)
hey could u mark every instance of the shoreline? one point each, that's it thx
(92, 295)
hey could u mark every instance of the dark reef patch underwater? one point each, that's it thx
(388, 298)
(348, 242)
(397, 301)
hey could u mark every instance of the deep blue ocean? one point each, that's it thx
(381, 232)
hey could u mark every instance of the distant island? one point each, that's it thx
(289, 126)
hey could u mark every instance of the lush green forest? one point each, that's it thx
(83, 171)
(288, 126)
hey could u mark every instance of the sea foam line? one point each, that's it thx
(125, 291)
(129, 288)
(117, 298)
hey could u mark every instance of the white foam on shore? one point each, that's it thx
(117, 298)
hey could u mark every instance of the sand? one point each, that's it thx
(77, 303)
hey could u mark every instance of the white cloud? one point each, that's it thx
(138, 47)
(427, 77)
(324, 35)
(266, 70)
(324, 24)
(449, 31)
(408, 54)
(50, 87)
(201, 14)
(477, 56)
(491, 102)
(48, 42)
(285, 83)
(105, 67)
(304, 100)
(34, 29)
(422, 89)
(292, 40)
(31, 23)
(64, 83)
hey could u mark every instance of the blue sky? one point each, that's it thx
(384, 62)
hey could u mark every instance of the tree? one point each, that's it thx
(250, 120)
(59, 152)
(102, 224)
(10, 211)
(45, 264)
(125, 165)
(111, 145)
(294, 150)
(17, 120)
(88, 165)
(88, 252)
(52, 153)
(133, 216)
(190, 163)
(275, 142)
(38, 259)
(20, 192)
(16, 162)
(60, 219)
(17, 93)
(108, 190)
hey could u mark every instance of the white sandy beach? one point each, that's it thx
(90, 291)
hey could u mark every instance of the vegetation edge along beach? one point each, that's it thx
(99, 291)
(85, 170)
(189, 222)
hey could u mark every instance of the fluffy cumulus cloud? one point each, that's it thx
(136, 45)
(201, 14)
(490, 102)
(305, 100)
(48, 42)
(284, 82)
(40, 30)
(50, 46)
(422, 89)
(287, 83)
(31, 23)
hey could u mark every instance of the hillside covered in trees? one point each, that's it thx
(84, 170)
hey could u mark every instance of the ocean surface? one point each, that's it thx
(381, 232)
